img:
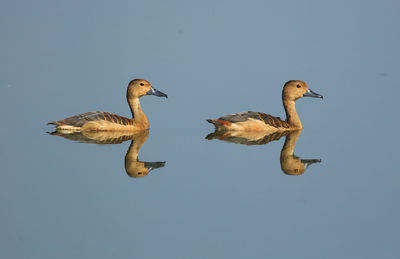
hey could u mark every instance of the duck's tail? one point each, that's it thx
(57, 123)
(219, 124)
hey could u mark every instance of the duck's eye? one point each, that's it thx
(141, 84)
(298, 86)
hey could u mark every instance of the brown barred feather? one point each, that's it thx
(81, 119)
(266, 118)
(115, 119)
(123, 121)
(274, 121)
(108, 117)
(126, 121)
(118, 121)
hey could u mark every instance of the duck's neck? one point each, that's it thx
(138, 116)
(291, 115)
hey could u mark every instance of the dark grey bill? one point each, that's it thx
(308, 162)
(155, 92)
(310, 93)
(153, 165)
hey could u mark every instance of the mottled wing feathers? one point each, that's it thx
(274, 121)
(114, 118)
(239, 117)
(266, 118)
(81, 119)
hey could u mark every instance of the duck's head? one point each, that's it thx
(296, 89)
(140, 87)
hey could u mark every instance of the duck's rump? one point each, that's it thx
(243, 117)
(78, 121)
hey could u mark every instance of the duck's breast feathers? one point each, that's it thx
(82, 119)
(275, 122)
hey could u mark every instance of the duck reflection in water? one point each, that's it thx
(290, 164)
(133, 166)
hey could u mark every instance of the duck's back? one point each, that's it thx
(78, 121)
(249, 120)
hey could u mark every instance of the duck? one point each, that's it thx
(107, 121)
(262, 122)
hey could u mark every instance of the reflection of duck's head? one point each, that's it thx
(296, 89)
(291, 164)
(133, 166)
(137, 169)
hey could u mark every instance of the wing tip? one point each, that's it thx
(54, 123)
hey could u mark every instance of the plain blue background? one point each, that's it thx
(61, 199)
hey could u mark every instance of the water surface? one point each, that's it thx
(210, 199)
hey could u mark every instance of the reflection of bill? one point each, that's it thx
(290, 164)
(133, 166)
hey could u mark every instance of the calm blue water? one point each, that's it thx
(211, 199)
